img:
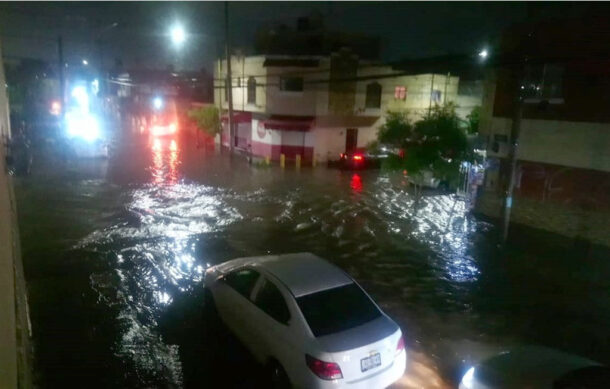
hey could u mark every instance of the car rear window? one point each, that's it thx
(338, 309)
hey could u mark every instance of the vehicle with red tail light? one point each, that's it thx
(307, 321)
(362, 159)
(164, 117)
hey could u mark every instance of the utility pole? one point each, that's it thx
(431, 91)
(62, 80)
(229, 81)
(445, 93)
(515, 131)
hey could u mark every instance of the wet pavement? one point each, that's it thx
(115, 249)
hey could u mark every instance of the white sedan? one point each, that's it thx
(307, 321)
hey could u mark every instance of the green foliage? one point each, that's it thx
(207, 119)
(473, 120)
(436, 143)
(396, 130)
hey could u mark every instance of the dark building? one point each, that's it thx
(309, 36)
(561, 71)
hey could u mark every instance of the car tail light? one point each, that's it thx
(401, 345)
(342, 156)
(324, 370)
(358, 157)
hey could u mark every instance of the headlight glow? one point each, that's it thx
(157, 103)
(468, 379)
(84, 126)
(82, 98)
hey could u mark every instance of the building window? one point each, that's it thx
(291, 84)
(251, 90)
(435, 97)
(400, 93)
(373, 95)
(543, 81)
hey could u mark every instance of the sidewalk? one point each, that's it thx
(14, 321)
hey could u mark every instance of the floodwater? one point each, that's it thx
(115, 251)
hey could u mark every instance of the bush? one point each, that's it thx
(207, 119)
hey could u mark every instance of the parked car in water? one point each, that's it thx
(362, 159)
(425, 179)
(307, 321)
(536, 367)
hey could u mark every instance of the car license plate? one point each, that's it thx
(371, 362)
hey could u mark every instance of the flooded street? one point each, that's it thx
(115, 251)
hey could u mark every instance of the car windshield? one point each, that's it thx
(338, 309)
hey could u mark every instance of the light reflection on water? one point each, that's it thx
(158, 218)
(416, 249)
(166, 160)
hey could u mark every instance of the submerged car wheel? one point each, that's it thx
(278, 379)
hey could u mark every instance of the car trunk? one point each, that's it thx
(364, 350)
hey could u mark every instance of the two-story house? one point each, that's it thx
(319, 106)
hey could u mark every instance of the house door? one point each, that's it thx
(351, 139)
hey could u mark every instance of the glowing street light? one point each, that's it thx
(85, 62)
(483, 54)
(178, 35)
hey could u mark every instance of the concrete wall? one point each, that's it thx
(465, 105)
(269, 98)
(329, 142)
(5, 126)
(281, 102)
(314, 100)
(417, 102)
(573, 144)
(15, 351)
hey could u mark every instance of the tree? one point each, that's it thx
(396, 130)
(437, 143)
(207, 119)
(473, 120)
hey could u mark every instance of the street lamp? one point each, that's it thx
(85, 62)
(178, 35)
(483, 54)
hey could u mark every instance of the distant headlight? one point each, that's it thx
(468, 379)
(82, 125)
(158, 103)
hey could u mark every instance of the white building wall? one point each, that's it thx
(575, 144)
(280, 102)
(329, 142)
(241, 69)
(5, 123)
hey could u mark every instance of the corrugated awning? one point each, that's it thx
(289, 123)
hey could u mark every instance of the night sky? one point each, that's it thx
(407, 30)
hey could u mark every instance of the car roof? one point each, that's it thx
(301, 273)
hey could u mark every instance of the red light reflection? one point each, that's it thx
(356, 183)
(165, 158)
